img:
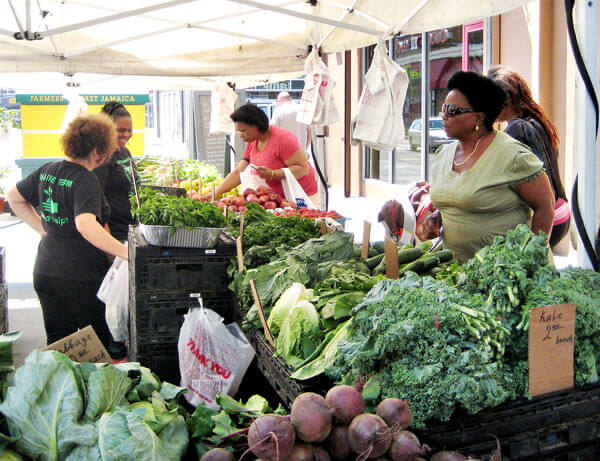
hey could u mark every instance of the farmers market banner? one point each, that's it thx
(92, 99)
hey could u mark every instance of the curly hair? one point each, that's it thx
(484, 94)
(115, 110)
(521, 99)
(89, 132)
(251, 114)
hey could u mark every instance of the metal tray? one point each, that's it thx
(200, 237)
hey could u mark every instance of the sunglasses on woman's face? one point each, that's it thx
(451, 110)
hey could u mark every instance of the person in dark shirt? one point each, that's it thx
(116, 180)
(71, 261)
(115, 177)
(529, 124)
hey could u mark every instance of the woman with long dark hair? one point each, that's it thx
(529, 124)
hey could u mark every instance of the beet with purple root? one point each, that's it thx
(395, 413)
(338, 444)
(321, 454)
(217, 454)
(301, 452)
(406, 447)
(312, 417)
(271, 437)
(369, 436)
(347, 402)
(448, 456)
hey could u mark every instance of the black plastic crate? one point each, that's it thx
(185, 269)
(278, 373)
(162, 359)
(577, 441)
(3, 308)
(527, 429)
(156, 318)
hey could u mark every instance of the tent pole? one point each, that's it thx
(112, 17)
(587, 13)
(347, 118)
(341, 18)
(309, 17)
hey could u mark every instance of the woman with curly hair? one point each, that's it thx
(529, 124)
(71, 262)
(485, 183)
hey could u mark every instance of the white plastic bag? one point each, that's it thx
(293, 191)
(317, 104)
(114, 292)
(76, 107)
(213, 358)
(222, 104)
(378, 121)
(249, 178)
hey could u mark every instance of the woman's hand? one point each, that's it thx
(265, 172)
(24, 210)
(430, 227)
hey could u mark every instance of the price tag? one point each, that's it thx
(391, 259)
(551, 346)
(366, 239)
(323, 226)
(261, 313)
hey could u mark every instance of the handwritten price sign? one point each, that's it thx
(551, 345)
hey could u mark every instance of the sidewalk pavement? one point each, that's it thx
(21, 243)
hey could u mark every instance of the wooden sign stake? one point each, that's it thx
(391, 259)
(212, 195)
(240, 245)
(261, 313)
(366, 239)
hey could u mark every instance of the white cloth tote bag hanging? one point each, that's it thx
(317, 105)
(378, 120)
(222, 104)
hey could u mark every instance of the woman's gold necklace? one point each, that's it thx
(472, 152)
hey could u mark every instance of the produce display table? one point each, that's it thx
(561, 426)
(161, 281)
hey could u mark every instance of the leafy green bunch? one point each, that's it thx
(58, 409)
(158, 209)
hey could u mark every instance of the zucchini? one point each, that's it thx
(444, 255)
(379, 247)
(374, 261)
(380, 268)
(425, 246)
(415, 266)
(429, 262)
(409, 255)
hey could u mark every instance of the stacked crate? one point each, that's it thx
(161, 280)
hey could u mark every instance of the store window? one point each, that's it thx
(449, 50)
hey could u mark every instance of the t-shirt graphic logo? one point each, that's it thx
(49, 205)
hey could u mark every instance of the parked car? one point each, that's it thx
(437, 134)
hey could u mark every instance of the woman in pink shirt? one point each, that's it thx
(269, 149)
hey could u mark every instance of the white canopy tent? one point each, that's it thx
(185, 44)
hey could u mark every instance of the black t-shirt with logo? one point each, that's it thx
(62, 191)
(117, 183)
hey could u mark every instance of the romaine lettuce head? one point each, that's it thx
(288, 299)
(300, 333)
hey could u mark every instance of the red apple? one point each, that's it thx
(275, 198)
(232, 208)
(252, 198)
(238, 201)
(263, 198)
(269, 205)
(241, 208)
(228, 200)
(264, 190)
(221, 205)
(249, 191)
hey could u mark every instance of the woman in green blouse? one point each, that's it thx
(485, 183)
